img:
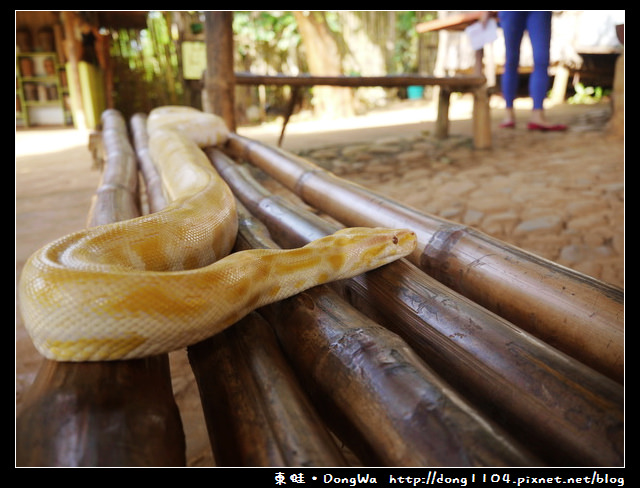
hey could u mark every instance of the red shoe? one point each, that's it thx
(508, 125)
(546, 128)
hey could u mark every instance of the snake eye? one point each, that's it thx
(395, 239)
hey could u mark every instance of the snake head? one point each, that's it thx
(370, 248)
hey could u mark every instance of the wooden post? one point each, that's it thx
(616, 124)
(560, 83)
(442, 122)
(481, 110)
(481, 118)
(219, 79)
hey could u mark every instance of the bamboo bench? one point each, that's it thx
(458, 365)
(448, 85)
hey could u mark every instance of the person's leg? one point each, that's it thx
(539, 28)
(513, 25)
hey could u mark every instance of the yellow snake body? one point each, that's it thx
(163, 281)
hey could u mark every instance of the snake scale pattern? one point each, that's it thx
(166, 280)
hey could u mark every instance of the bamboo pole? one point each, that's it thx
(256, 412)
(116, 198)
(153, 185)
(507, 372)
(99, 415)
(375, 393)
(573, 312)
(119, 413)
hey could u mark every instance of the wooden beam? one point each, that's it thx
(358, 81)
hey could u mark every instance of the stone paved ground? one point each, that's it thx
(559, 195)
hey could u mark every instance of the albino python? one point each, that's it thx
(166, 280)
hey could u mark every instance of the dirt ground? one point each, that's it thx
(560, 195)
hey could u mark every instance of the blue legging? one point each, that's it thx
(538, 24)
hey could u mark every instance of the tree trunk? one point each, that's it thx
(323, 58)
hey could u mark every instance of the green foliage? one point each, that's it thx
(146, 67)
(260, 31)
(147, 62)
(333, 21)
(406, 43)
(272, 34)
(587, 94)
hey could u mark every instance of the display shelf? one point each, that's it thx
(41, 92)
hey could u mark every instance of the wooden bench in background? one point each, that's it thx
(448, 85)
